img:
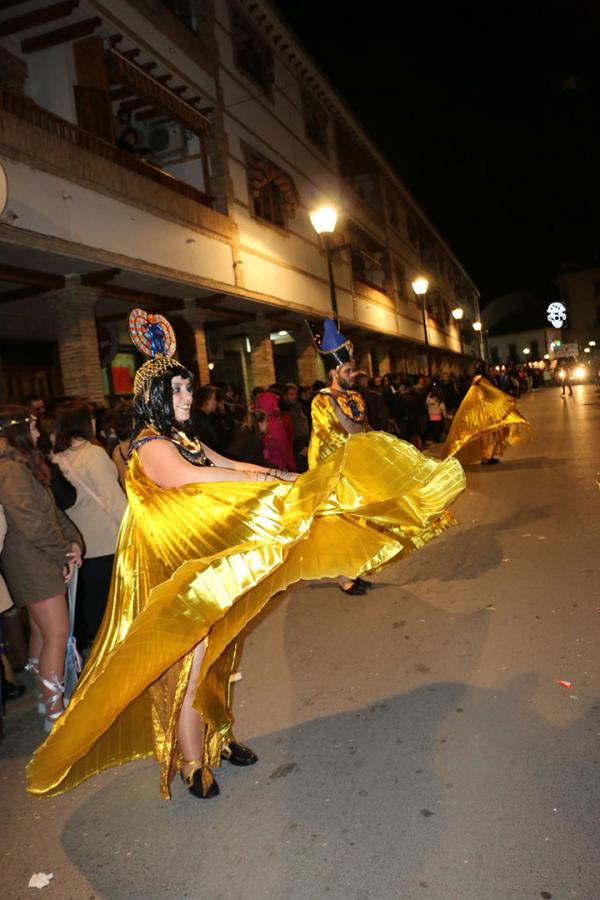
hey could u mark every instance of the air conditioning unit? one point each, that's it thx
(167, 140)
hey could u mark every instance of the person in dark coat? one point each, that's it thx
(65, 493)
(203, 420)
(41, 550)
(449, 393)
(414, 406)
(248, 443)
(377, 411)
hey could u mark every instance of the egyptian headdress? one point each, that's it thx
(332, 345)
(153, 336)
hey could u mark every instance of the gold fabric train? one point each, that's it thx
(486, 422)
(199, 562)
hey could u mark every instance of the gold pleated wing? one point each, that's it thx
(486, 422)
(202, 560)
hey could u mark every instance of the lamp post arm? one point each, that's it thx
(338, 249)
(329, 253)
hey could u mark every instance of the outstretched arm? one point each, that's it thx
(167, 468)
(224, 462)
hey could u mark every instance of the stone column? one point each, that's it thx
(73, 312)
(384, 360)
(309, 369)
(262, 365)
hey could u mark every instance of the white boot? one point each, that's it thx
(58, 689)
(33, 666)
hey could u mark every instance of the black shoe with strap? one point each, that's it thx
(200, 782)
(366, 584)
(238, 754)
(355, 590)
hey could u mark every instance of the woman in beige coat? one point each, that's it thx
(41, 549)
(97, 512)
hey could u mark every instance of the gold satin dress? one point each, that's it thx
(485, 424)
(198, 563)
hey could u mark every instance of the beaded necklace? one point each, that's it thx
(350, 402)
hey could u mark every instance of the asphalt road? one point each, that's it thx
(414, 744)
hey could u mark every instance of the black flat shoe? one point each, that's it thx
(366, 584)
(490, 462)
(200, 783)
(238, 754)
(355, 590)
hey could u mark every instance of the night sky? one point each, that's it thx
(489, 112)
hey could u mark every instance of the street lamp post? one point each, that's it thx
(324, 221)
(477, 327)
(457, 315)
(420, 287)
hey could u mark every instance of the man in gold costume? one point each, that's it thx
(204, 544)
(337, 412)
(485, 424)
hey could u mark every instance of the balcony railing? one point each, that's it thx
(25, 109)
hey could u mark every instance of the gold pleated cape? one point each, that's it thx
(486, 422)
(199, 562)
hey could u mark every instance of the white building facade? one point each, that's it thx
(234, 138)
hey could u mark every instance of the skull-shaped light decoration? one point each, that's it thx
(557, 314)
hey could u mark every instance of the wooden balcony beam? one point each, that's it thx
(30, 276)
(100, 277)
(37, 17)
(134, 296)
(149, 113)
(21, 293)
(132, 105)
(61, 35)
(122, 93)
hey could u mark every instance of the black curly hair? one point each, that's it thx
(157, 409)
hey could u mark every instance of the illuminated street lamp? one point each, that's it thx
(586, 350)
(476, 326)
(526, 351)
(420, 286)
(591, 343)
(324, 221)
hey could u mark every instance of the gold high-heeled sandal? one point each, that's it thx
(200, 782)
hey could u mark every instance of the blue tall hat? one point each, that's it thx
(332, 345)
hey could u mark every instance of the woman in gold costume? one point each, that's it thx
(485, 424)
(204, 544)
